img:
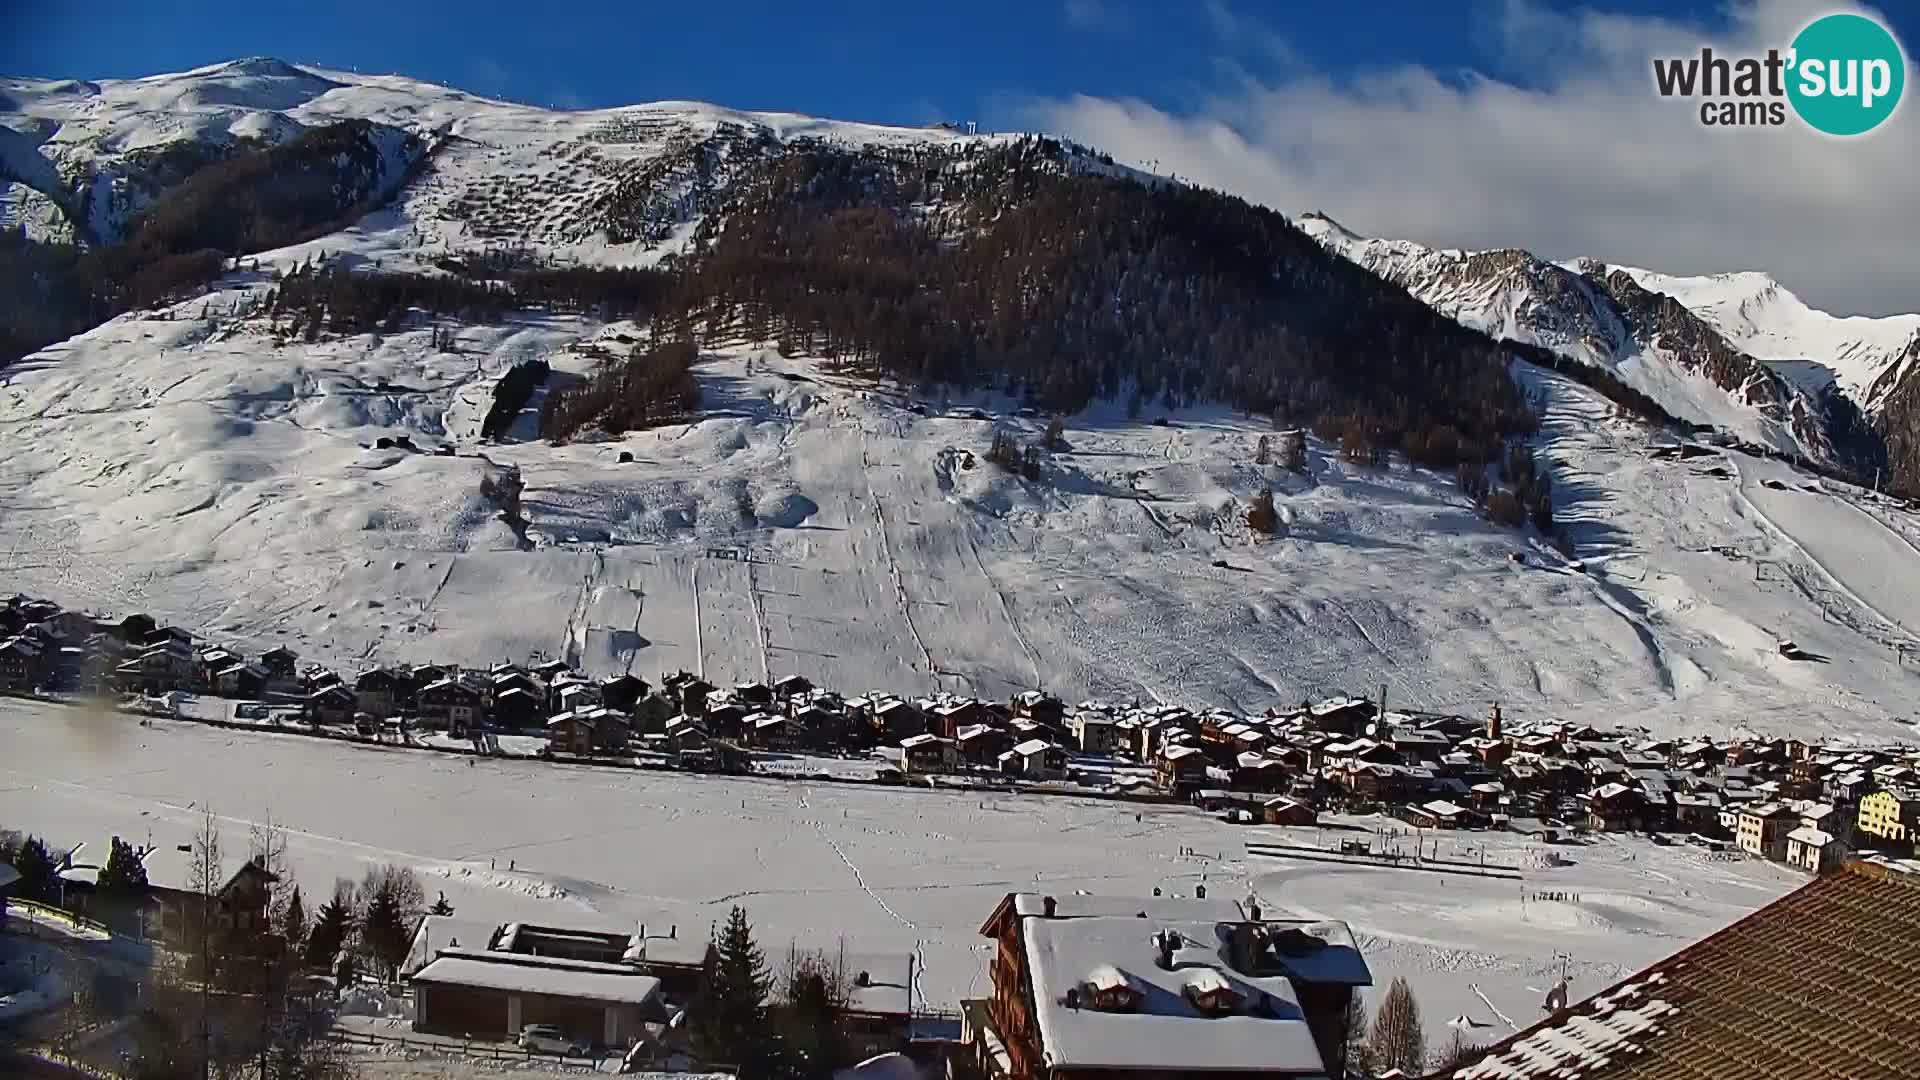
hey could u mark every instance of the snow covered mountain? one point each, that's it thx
(1735, 351)
(314, 472)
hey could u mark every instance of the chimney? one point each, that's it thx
(1049, 905)
(673, 931)
(1493, 722)
(1253, 910)
(1200, 891)
(1243, 944)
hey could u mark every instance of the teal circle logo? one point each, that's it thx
(1846, 74)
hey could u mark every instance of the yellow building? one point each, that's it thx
(1891, 816)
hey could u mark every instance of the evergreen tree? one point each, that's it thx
(293, 921)
(37, 871)
(122, 885)
(810, 1018)
(383, 933)
(1397, 1040)
(1359, 1054)
(440, 906)
(330, 930)
(733, 1016)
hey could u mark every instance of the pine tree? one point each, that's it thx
(37, 871)
(293, 921)
(733, 1017)
(1397, 1040)
(1359, 1054)
(122, 885)
(440, 906)
(815, 998)
(383, 933)
(330, 930)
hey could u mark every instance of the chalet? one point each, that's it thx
(1179, 770)
(571, 692)
(946, 717)
(280, 662)
(686, 733)
(788, 687)
(1036, 759)
(333, 706)
(982, 745)
(687, 692)
(382, 692)
(927, 753)
(1285, 811)
(548, 670)
(22, 665)
(894, 719)
(769, 731)
(1615, 808)
(1040, 707)
(570, 732)
(816, 726)
(623, 692)
(1438, 814)
(612, 731)
(1097, 732)
(238, 679)
(240, 904)
(451, 702)
(725, 719)
(517, 708)
(1344, 716)
(509, 679)
(1087, 987)
(1258, 772)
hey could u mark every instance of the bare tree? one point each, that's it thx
(1397, 1041)
(267, 849)
(206, 876)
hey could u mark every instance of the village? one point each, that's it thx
(1781, 799)
(1066, 990)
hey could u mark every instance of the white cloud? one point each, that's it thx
(1587, 160)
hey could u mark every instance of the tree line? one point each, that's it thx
(256, 200)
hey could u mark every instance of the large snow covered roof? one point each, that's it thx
(1822, 984)
(531, 975)
(1166, 1031)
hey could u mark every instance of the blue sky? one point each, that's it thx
(891, 62)
(1460, 123)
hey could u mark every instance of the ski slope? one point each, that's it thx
(886, 870)
(805, 523)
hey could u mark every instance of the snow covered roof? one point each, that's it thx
(1443, 808)
(1806, 834)
(538, 975)
(1165, 1030)
(438, 932)
(1032, 747)
(1736, 1005)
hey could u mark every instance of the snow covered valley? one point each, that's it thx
(887, 870)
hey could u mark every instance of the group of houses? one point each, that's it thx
(1785, 800)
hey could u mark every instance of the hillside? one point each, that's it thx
(860, 310)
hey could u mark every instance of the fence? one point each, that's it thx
(496, 1052)
(37, 913)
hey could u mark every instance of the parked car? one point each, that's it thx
(549, 1039)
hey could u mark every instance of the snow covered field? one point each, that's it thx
(889, 870)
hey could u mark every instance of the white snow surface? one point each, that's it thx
(1762, 318)
(887, 870)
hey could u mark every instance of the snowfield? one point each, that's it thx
(889, 870)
